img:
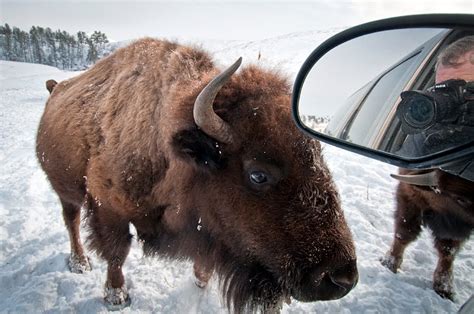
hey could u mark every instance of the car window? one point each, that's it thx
(341, 117)
(374, 108)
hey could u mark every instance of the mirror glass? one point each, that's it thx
(380, 91)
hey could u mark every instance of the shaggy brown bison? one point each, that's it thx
(442, 202)
(206, 166)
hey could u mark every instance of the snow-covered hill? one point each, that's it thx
(34, 243)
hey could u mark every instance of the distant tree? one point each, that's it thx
(81, 44)
(92, 54)
(51, 46)
(99, 38)
(16, 50)
(62, 55)
(38, 55)
(6, 33)
(81, 37)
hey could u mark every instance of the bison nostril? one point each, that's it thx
(345, 277)
(343, 282)
(331, 284)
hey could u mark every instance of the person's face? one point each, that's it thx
(465, 71)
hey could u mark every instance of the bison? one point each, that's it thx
(207, 165)
(444, 203)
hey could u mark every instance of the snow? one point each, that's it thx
(34, 245)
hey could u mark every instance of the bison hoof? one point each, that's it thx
(443, 287)
(201, 284)
(201, 276)
(273, 308)
(116, 298)
(391, 262)
(445, 294)
(79, 264)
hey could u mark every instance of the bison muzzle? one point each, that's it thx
(207, 165)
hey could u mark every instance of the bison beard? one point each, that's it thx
(247, 285)
(156, 136)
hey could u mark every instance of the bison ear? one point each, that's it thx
(197, 146)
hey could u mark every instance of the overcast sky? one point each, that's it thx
(223, 19)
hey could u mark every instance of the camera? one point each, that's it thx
(448, 102)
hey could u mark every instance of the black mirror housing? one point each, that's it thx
(438, 29)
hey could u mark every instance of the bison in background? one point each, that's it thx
(442, 202)
(206, 166)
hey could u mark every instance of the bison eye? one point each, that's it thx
(258, 177)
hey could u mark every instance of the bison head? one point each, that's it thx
(261, 195)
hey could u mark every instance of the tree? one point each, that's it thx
(38, 56)
(6, 33)
(92, 54)
(51, 47)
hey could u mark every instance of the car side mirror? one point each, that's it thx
(372, 90)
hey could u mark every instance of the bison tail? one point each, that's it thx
(50, 84)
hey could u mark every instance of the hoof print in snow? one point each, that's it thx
(391, 262)
(116, 298)
(79, 265)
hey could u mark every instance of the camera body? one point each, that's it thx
(448, 102)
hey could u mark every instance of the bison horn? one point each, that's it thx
(203, 112)
(424, 179)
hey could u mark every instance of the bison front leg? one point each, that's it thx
(443, 275)
(111, 239)
(407, 228)
(78, 261)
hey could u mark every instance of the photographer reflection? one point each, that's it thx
(441, 117)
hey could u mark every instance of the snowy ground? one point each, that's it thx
(34, 244)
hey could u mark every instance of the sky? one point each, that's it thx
(236, 20)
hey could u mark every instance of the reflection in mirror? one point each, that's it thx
(381, 91)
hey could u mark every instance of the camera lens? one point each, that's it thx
(418, 111)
